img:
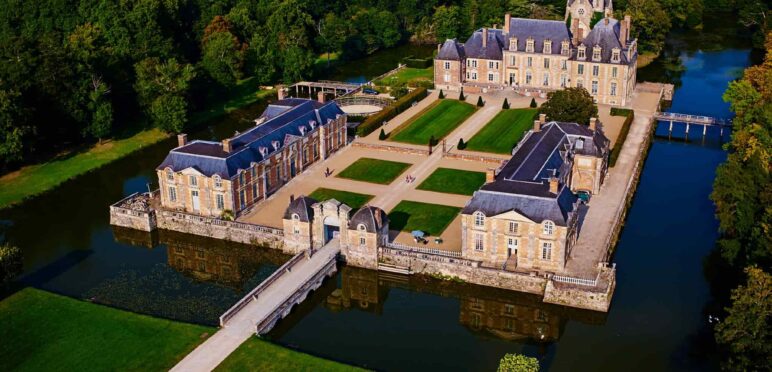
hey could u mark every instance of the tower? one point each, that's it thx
(580, 15)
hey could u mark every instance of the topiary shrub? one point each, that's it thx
(382, 136)
(533, 103)
(442, 95)
(480, 102)
(505, 106)
(227, 215)
(461, 144)
(518, 363)
(462, 97)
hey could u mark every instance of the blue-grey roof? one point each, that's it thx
(302, 207)
(540, 30)
(283, 124)
(607, 36)
(451, 50)
(473, 48)
(557, 209)
(373, 218)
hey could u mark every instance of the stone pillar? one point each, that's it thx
(323, 141)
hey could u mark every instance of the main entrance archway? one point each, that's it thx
(331, 228)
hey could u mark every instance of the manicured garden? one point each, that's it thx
(503, 132)
(453, 181)
(352, 199)
(429, 218)
(258, 355)
(408, 76)
(436, 121)
(374, 170)
(44, 331)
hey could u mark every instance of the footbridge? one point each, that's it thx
(689, 120)
(264, 306)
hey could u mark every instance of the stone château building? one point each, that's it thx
(207, 178)
(526, 216)
(543, 55)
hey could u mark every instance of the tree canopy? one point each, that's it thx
(570, 105)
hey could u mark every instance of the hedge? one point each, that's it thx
(417, 62)
(630, 115)
(374, 122)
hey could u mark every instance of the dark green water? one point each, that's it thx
(656, 322)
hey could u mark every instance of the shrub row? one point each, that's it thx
(417, 62)
(630, 115)
(375, 121)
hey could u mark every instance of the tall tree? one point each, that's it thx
(331, 32)
(161, 87)
(448, 22)
(13, 127)
(570, 105)
(222, 52)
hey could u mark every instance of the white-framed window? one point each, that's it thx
(512, 243)
(217, 181)
(564, 64)
(564, 49)
(243, 198)
(548, 228)
(615, 55)
(546, 62)
(614, 72)
(512, 60)
(528, 78)
(474, 76)
(219, 201)
(579, 83)
(242, 179)
(580, 54)
(479, 242)
(254, 190)
(193, 181)
(361, 227)
(563, 81)
(169, 175)
(595, 70)
(529, 62)
(547, 47)
(253, 172)
(580, 69)
(490, 64)
(596, 53)
(296, 230)
(613, 89)
(490, 76)
(513, 227)
(447, 65)
(529, 46)
(594, 88)
(295, 217)
(479, 219)
(546, 80)
(362, 240)
(172, 194)
(194, 196)
(467, 75)
(546, 250)
(513, 43)
(447, 78)
(473, 63)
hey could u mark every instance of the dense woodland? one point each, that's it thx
(75, 72)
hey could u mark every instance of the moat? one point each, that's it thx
(391, 322)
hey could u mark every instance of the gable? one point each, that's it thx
(513, 216)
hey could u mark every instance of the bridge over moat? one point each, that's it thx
(689, 120)
(264, 306)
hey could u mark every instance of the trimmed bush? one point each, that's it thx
(442, 95)
(374, 122)
(462, 97)
(533, 103)
(433, 141)
(480, 102)
(518, 363)
(417, 62)
(630, 114)
(383, 135)
(505, 106)
(461, 145)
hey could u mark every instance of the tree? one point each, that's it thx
(161, 87)
(13, 126)
(533, 103)
(745, 332)
(382, 136)
(448, 22)
(461, 144)
(101, 110)
(222, 52)
(461, 96)
(10, 263)
(518, 363)
(288, 30)
(480, 102)
(505, 105)
(651, 25)
(169, 113)
(331, 32)
(570, 105)
(442, 95)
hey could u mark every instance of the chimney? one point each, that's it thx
(536, 126)
(507, 19)
(624, 31)
(182, 139)
(226, 145)
(593, 123)
(484, 37)
(495, 26)
(320, 97)
(542, 118)
(490, 175)
(439, 47)
(553, 185)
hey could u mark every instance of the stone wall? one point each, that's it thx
(592, 298)
(144, 221)
(499, 162)
(398, 149)
(220, 229)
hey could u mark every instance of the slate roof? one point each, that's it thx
(523, 184)
(372, 218)
(540, 30)
(607, 36)
(302, 207)
(451, 50)
(283, 122)
(492, 50)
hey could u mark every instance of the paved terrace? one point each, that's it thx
(242, 326)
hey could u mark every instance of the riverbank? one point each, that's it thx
(36, 179)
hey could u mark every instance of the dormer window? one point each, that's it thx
(302, 130)
(312, 124)
(217, 181)
(361, 227)
(529, 45)
(548, 227)
(581, 52)
(547, 47)
(169, 174)
(564, 49)
(479, 219)
(275, 145)
(615, 55)
(263, 151)
(579, 144)
(596, 53)
(513, 43)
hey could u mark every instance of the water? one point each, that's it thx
(391, 322)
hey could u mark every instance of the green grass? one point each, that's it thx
(503, 132)
(408, 75)
(258, 355)
(43, 331)
(35, 179)
(429, 218)
(374, 170)
(352, 199)
(438, 120)
(453, 181)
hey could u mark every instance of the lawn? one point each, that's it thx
(258, 355)
(453, 181)
(43, 331)
(374, 170)
(503, 132)
(409, 76)
(429, 218)
(352, 199)
(438, 120)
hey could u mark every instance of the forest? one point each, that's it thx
(77, 72)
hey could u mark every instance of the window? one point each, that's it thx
(529, 46)
(512, 243)
(564, 65)
(580, 11)
(546, 63)
(253, 172)
(580, 69)
(547, 47)
(254, 190)
(474, 76)
(613, 89)
(509, 309)
(564, 48)
(446, 78)
(172, 194)
(528, 78)
(169, 175)
(580, 52)
(217, 181)
(615, 56)
(193, 181)
(194, 196)
(474, 63)
(220, 201)
(596, 53)
(242, 179)
(296, 230)
(361, 227)
(594, 88)
(546, 81)
(563, 81)
(579, 83)
(614, 72)
(546, 250)
(478, 242)
(447, 65)
(529, 62)
(595, 70)
(512, 60)
(548, 228)
(243, 198)
(513, 227)
(490, 76)
(362, 240)
(513, 44)
(479, 219)
(490, 64)
(467, 75)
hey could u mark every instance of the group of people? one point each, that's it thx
(409, 179)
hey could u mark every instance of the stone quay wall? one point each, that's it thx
(596, 298)
(134, 213)
(221, 229)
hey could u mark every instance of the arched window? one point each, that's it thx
(479, 219)
(217, 181)
(295, 217)
(169, 174)
(548, 228)
(361, 227)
